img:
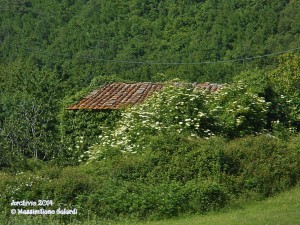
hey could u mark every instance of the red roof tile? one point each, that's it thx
(117, 95)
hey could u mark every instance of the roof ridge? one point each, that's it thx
(119, 94)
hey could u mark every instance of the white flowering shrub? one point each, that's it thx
(187, 109)
(238, 112)
(181, 108)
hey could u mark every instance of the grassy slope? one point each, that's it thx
(282, 209)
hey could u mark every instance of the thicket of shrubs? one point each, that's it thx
(176, 174)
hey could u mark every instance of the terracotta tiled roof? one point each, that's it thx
(117, 95)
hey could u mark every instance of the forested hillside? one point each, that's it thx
(79, 40)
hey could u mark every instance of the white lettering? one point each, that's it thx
(36, 212)
(66, 211)
(23, 203)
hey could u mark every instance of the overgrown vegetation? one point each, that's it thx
(176, 174)
(231, 112)
(182, 151)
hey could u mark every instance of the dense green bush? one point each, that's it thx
(80, 129)
(205, 195)
(279, 86)
(262, 164)
(63, 186)
(237, 111)
(285, 82)
(175, 174)
(10, 159)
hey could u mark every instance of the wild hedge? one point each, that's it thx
(176, 174)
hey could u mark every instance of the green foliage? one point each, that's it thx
(285, 81)
(205, 196)
(285, 78)
(257, 81)
(27, 115)
(238, 112)
(278, 86)
(80, 129)
(177, 174)
(262, 164)
(55, 35)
